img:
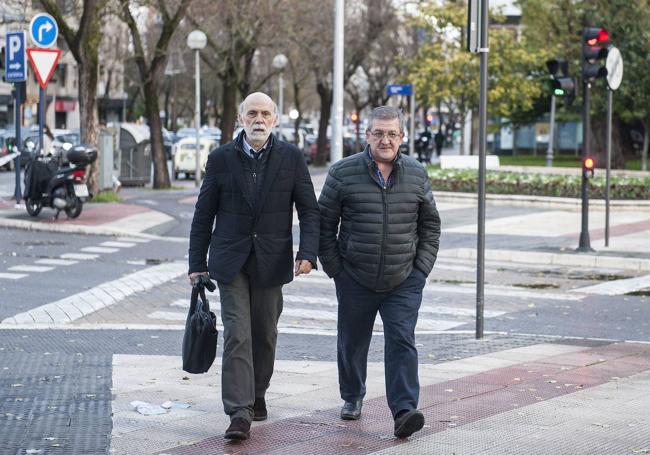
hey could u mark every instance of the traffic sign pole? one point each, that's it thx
(41, 118)
(17, 122)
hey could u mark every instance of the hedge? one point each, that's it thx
(532, 184)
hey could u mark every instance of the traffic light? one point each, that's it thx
(354, 117)
(594, 48)
(588, 166)
(561, 83)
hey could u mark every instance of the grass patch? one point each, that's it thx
(531, 184)
(106, 196)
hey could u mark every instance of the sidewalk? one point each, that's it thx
(118, 218)
(544, 398)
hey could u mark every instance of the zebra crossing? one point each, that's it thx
(310, 304)
(88, 253)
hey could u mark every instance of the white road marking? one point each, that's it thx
(134, 240)
(30, 268)
(617, 287)
(99, 249)
(78, 305)
(56, 262)
(552, 223)
(118, 244)
(12, 276)
(140, 222)
(79, 256)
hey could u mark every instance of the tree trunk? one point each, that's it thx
(323, 151)
(229, 117)
(87, 74)
(160, 173)
(644, 152)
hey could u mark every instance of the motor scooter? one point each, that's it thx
(51, 182)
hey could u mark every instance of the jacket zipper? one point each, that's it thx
(384, 234)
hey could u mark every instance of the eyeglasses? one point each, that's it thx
(391, 135)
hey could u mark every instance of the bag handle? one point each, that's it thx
(194, 302)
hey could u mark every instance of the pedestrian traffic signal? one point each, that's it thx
(588, 166)
(594, 48)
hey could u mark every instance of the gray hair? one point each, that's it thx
(241, 107)
(386, 113)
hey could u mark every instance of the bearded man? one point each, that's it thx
(251, 185)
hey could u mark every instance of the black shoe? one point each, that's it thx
(238, 430)
(408, 422)
(259, 410)
(351, 410)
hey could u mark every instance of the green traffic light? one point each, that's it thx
(558, 92)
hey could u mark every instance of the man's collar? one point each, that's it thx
(372, 158)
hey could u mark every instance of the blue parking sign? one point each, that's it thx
(43, 30)
(15, 61)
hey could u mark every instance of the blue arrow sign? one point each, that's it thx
(396, 89)
(15, 61)
(43, 30)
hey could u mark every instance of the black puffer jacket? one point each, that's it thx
(383, 233)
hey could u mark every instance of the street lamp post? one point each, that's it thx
(197, 41)
(280, 62)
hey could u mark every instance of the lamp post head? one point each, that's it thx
(280, 61)
(197, 40)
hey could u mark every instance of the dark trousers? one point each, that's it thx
(250, 320)
(358, 307)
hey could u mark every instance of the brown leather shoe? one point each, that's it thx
(238, 430)
(259, 409)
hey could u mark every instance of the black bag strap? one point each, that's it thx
(198, 291)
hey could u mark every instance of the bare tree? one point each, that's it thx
(84, 43)
(151, 69)
(312, 30)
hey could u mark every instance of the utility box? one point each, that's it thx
(135, 154)
(106, 142)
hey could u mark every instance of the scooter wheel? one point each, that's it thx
(75, 210)
(33, 208)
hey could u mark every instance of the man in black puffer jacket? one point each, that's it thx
(244, 215)
(379, 237)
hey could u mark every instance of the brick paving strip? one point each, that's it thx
(446, 405)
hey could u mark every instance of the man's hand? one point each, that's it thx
(302, 266)
(193, 276)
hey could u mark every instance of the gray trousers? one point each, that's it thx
(250, 321)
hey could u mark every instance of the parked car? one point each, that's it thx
(168, 142)
(185, 132)
(213, 133)
(185, 155)
(64, 140)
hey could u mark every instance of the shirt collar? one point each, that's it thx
(248, 149)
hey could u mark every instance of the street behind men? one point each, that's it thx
(379, 239)
(250, 187)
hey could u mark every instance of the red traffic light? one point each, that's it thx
(596, 36)
(588, 163)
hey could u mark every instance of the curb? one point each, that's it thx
(539, 257)
(80, 229)
(540, 201)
